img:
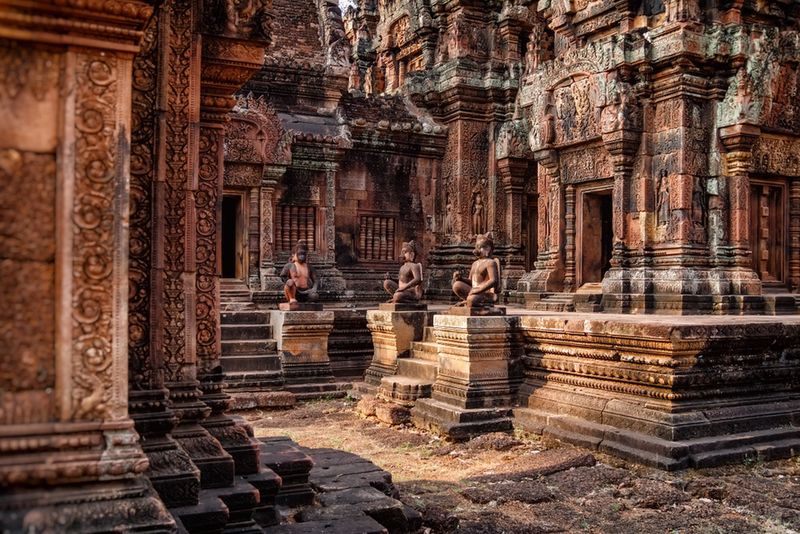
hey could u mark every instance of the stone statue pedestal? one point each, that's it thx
(393, 332)
(300, 306)
(302, 342)
(465, 311)
(472, 394)
(402, 306)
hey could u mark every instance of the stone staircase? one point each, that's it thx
(247, 502)
(415, 375)
(550, 302)
(250, 358)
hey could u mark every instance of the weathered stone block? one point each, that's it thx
(393, 332)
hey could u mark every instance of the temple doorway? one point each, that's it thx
(595, 237)
(530, 230)
(233, 237)
(768, 229)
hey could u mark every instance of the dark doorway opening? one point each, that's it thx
(231, 212)
(768, 230)
(530, 231)
(597, 241)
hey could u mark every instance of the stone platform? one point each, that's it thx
(670, 392)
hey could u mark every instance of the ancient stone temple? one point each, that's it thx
(626, 172)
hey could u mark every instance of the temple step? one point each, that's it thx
(428, 336)
(246, 332)
(293, 466)
(417, 368)
(266, 380)
(405, 390)
(307, 390)
(241, 305)
(244, 317)
(236, 347)
(550, 302)
(268, 484)
(251, 362)
(208, 516)
(425, 350)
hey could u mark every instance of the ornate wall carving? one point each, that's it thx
(143, 137)
(586, 164)
(95, 266)
(171, 192)
(206, 203)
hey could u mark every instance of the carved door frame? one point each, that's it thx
(242, 232)
(783, 226)
(602, 187)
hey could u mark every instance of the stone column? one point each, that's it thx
(270, 281)
(171, 471)
(174, 309)
(738, 141)
(71, 460)
(227, 63)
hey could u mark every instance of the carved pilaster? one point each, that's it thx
(549, 273)
(270, 281)
(171, 471)
(228, 62)
(738, 141)
(72, 460)
(794, 235)
(569, 240)
(622, 145)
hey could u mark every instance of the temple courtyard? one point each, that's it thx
(518, 483)
(399, 266)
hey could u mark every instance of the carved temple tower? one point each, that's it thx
(646, 121)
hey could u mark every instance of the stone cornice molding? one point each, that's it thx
(107, 24)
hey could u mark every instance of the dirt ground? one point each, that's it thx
(521, 484)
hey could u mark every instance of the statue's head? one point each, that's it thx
(301, 251)
(409, 251)
(484, 245)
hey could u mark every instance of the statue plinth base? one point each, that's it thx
(402, 306)
(302, 342)
(472, 392)
(393, 332)
(300, 306)
(485, 311)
